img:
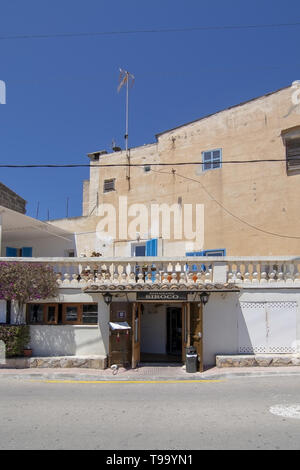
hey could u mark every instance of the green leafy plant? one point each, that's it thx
(26, 282)
(16, 338)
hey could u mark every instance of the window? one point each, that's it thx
(138, 249)
(109, 185)
(25, 252)
(42, 314)
(212, 160)
(36, 313)
(291, 140)
(62, 314)
(70, 253)
(218, 252)
(72, 314)
(89, 314)
(147, 168)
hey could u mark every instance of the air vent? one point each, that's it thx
(109, 185)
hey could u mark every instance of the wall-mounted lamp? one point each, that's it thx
(204, 296)
(107, 298)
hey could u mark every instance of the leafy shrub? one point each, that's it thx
(25, 282)
(16, 339)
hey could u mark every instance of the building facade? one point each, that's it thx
(190, 241)
(239, 167)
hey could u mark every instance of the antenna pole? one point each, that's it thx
(127, 121)
(127, 111)
(125, 76)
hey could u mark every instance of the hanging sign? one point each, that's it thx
(161, 296)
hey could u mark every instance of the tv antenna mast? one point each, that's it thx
(126, 78)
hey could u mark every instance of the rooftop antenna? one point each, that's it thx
(126, 78)
(37, 210)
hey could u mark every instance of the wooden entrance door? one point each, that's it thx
(120, 340)
(136, 334)
(196, 331)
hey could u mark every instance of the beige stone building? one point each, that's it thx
(241, 166)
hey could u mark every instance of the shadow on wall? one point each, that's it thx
(52, 341)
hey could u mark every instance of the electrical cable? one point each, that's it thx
(149, 31)
(116, 165)
(227, 210)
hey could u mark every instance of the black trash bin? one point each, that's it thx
(191, 359)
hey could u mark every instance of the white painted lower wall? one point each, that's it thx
(66, 340)
(252, 321)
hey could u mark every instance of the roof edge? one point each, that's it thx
(222, 110)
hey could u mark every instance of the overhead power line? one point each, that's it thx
(141, 165)
(227, 210)
(150, 31)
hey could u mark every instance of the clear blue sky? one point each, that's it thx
(62, 99)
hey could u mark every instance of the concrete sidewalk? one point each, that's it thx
(146, 373)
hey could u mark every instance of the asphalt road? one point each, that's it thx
(230, 414)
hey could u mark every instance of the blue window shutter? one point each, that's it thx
(27, 252)
(151, 247)
(11, 252)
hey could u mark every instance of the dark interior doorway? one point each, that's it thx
(174, 332)
(161, 333)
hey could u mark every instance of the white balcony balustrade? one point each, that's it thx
(181, 273)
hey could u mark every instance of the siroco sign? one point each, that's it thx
(161, 296)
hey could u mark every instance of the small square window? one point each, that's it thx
(212, 160)
(109, 185)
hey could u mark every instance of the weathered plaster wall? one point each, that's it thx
(11, 200)
(260, 194)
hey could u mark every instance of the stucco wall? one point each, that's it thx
(260, 194)
(66, 340)
(267, 321)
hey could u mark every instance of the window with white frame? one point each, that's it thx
(211, 159)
